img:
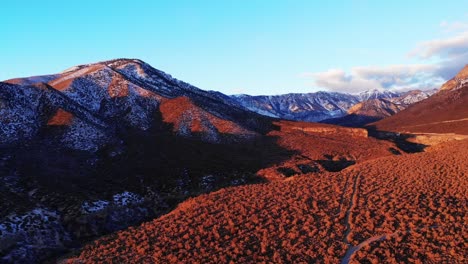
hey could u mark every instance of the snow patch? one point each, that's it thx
(207, 182)
(24, 237)
(92, 207)
(127, 198)
(120, 200)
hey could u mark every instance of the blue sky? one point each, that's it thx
(254, 47)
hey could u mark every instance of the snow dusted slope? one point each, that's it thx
(412, 97)
(25, 110)
(311, 107)
(306, 107)
(375, 109)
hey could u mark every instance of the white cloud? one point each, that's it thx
(339, 80)
(441, 48)
(443, 59)
(453, 26)
(451, 53)
(449, 67)
(398, 77)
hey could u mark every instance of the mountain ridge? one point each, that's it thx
(372, 110)
(314, 107)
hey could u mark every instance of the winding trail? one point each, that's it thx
(353, 200)
(352, 249)
(343, 195)
(352, 204)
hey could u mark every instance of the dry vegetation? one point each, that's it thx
(349, 143)
(421, 205)
(322, 147)
(280, 221)
(407, 208)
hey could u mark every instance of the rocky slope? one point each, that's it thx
(373, 110)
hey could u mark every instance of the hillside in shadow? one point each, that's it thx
(152, 170)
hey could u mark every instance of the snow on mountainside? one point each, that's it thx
(412, 97)
(311, 107)
(306, 107)
(375, 109)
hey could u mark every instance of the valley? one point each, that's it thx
(118, 162)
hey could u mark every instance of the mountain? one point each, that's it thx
(100, 98)
(108, 145)
(372, 110)
(444, 112)
(309, 107)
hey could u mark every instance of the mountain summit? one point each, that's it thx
(457, 82)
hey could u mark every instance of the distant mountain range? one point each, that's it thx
(320, 106)
(372, 110)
